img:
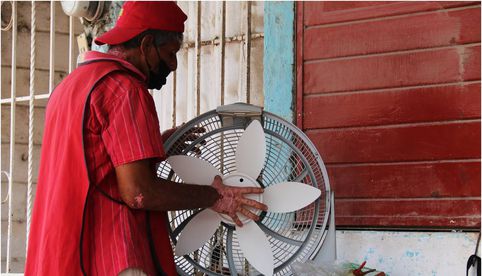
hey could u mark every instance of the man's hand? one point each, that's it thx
(232, 201)
(167, 133)
(186, 139)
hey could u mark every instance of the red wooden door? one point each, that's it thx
(390, 94)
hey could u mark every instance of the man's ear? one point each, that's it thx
(146, 42)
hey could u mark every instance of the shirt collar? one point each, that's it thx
(99, 56)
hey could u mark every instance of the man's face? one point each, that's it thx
(163, 61)
(168, 53)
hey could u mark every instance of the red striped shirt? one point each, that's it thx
(120, 127)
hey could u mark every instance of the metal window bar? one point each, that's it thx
(1, 129)
(31, 123)
(222, 50)
(244, 67)
(174, 87)
(13, 93)
(198, 59)
(71, 43)
(52, 47)
(247, 45)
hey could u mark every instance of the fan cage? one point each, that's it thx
(290, 156)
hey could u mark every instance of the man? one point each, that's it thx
(99, 207)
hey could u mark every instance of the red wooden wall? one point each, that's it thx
(389, 92)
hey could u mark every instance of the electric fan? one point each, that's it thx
(250, 147)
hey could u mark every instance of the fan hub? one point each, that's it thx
(241, 180)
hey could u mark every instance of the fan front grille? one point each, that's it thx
(290, 156)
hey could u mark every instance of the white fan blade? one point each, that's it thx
(289, 196)
(255, 247)
(251, 150)
(193, 170)
(197, 232)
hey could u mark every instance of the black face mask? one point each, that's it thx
(157, 80)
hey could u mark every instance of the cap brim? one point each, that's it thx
(117, 35)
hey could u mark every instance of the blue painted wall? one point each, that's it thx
(279, 51)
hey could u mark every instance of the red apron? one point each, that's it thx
(56, 240)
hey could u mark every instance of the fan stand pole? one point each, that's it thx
(327, 252)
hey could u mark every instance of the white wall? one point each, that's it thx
(210, 68)
(408, 253)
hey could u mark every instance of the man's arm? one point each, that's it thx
(141, 189)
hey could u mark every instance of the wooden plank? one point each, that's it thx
(19, 200)
(17, 241)
(447, 141)
(42, 51)
(23, 81)
(393, 70)
(471, 63)
(328, 7)
(443, 188)
(406, 33)
(409, 180)
(42, 14)
(410, 223)
(20, 160)
(326, 12)
(22, 114)
(412, 213)
(411, 207)
(451, 102)
(299, 63)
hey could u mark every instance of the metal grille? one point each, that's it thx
(219, 63)
(37, 51)
(290, 156)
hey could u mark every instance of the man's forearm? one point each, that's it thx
(166, 195)
(141, 189)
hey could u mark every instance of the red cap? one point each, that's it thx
(137, 17)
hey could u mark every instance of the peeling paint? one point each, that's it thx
(408, 253)
(462, 59)
(279, 58)
(411, 254)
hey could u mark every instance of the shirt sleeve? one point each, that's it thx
(130, 127)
